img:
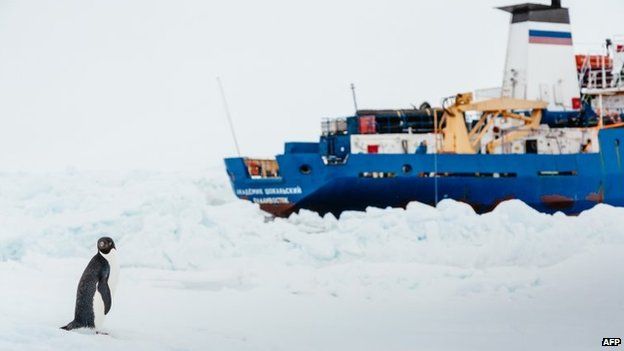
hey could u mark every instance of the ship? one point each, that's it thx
(551, 136)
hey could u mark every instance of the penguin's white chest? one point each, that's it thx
(113, 277)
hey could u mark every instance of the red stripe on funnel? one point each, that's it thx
(551, 41)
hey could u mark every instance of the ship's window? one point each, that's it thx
(468, 174)
(377, 175)
(530, 146)
(406, 168)
(305, 169)
(556, 173)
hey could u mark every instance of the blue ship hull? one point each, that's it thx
(548, 183)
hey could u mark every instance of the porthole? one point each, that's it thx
(305, 169)
(406, 168)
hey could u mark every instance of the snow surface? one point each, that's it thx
(201, 270)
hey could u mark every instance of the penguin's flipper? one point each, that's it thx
(106, 293)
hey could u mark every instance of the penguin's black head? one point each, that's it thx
(105, 245)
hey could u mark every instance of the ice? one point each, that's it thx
(202, 270)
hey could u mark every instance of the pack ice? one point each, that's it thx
(201, 270)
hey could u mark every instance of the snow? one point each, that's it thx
(202, 270)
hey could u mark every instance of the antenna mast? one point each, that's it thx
(227, 114)
(354, 98)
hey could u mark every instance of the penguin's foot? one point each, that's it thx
(71, 325)
(101, 333)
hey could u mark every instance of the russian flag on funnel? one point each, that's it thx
(550, 37)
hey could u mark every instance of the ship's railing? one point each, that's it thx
(595, 71)
(603, 68)
(262, 168)
(414, 120)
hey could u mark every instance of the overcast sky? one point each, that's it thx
(121, 84)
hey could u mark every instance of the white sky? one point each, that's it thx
(131, 84)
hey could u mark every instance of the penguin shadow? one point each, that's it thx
(90, 331)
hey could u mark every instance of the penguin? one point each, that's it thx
(96, 288)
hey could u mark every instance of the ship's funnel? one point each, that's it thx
(540, 61)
